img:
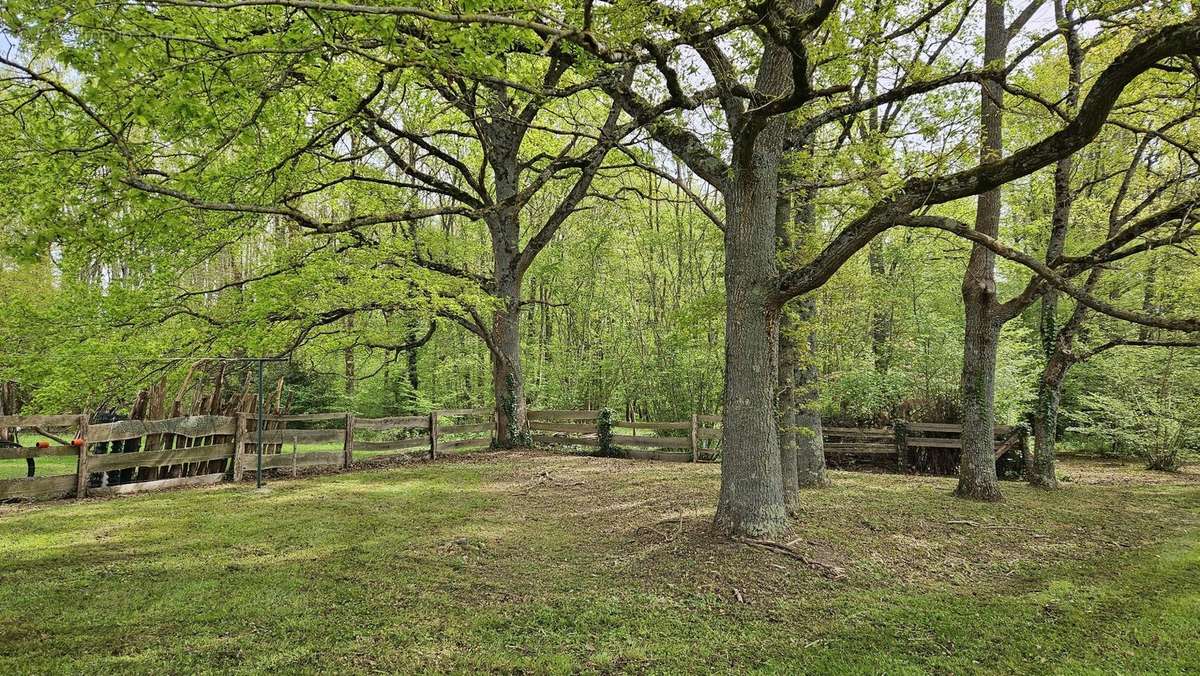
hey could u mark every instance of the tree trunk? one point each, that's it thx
(508, 381)
(752, 500)
(788, 434)
(977, 469)
(881, 316)
(348, 361)
(504, 136)
(810, 445)
(1058, 342)
(1045, 423)
(413, 374)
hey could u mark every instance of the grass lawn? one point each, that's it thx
(57, 465)
(550, 563)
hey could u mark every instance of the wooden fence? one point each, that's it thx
(209, 449)
(691, 440)
(927, 448)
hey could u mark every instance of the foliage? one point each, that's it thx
(100, 282)
(604, 434)
(1144, 411)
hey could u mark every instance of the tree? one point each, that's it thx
(479, 127)
(752, 499)
(755, 67)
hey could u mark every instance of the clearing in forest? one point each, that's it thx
(534, 562)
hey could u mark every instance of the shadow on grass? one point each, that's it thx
(572, 563)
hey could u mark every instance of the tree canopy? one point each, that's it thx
(979, 212)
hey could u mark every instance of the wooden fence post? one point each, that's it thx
(694, 437)
(81, 471)
(900, 427)
(239, 445)
(433, 435)
(348, 443)
(1026, 469)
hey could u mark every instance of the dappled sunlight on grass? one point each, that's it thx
(520, 561)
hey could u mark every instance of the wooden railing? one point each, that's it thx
(208, 449)
(684, 441)
(932, 448)
(214, 448)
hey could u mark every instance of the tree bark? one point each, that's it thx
(1058, 342)
(1044, 474)
(503, 138)
(508, 381)
(977, 469)
(810, 444)
(752, 500)
(788, 434)
(348, 360)
(881, 317)
(802, 449)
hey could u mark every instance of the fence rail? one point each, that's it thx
(225, 447)
(932, 448)
(221, 447)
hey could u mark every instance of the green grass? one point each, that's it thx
(528, 563)
(58, 465)
(45, 466)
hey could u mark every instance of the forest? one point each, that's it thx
(794, 215)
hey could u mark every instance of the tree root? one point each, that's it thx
(827, 570)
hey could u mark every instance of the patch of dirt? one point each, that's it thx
(1094, 471)
(650, 523)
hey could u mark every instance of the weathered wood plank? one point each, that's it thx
(300, 436)
(648, 425)
(348, 441)
(412, 455)
(570, 428)
(710, 418)
(31, 452)
(284, 460)
(392, 445)
(81, 460)
(299, 417)
(864, 431)
(434, 423)
(464, 443)
(934, 427)
(552, 440)
(176, 456)
(158, 484)
(70, 420)
(401, 422)
(563, 415)
(189, 426)
(43, 487)
(934, 443)
(860, 449)
(704, 433)
(467, 428)
(651, 442)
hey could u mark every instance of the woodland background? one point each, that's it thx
(105, 290)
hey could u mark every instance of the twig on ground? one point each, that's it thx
(826, 569)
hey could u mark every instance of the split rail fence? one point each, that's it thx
(136, 455)
(197, 450)
(927, 448)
